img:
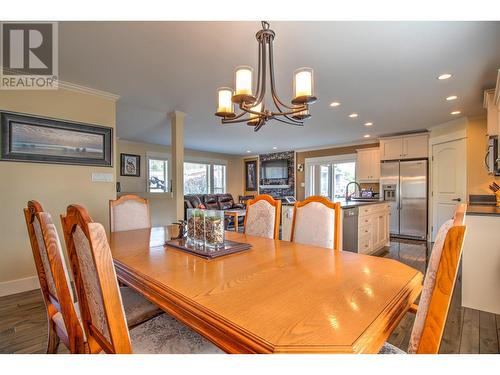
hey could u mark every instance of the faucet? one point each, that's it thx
(347, 197)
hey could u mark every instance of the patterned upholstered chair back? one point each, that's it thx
(262, 218)
(316, 221)
(129, 212)
(101, 306)
(438, 286)
(54, 277)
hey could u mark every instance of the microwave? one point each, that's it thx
(491, 159)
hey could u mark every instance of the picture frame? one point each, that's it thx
(35, 139)
(251, 175)
(130, 165)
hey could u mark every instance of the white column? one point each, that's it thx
(177, 132)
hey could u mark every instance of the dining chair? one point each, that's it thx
(262, 217)
(437, 290)
(129, 212)
(316, 222)
(101, 307)
(62, 313)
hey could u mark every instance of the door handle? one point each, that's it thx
(457, 199)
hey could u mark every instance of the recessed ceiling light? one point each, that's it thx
(334, 104)
(444, 76)
(275, 148)
(366, 136)
(452, 97)
(455, 113)
(248, 151)
(368, 123)
(353, 115)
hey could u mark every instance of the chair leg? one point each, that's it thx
(53, 341)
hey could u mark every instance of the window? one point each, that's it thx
(202, 178)
(329, 176)
(158, 175)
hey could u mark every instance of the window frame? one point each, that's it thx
(333, 159)
(210, 163)
(168, 179)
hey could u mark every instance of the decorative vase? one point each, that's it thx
(214, 229)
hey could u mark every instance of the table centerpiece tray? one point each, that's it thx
(203, 251)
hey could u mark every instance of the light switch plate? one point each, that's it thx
(102, 177)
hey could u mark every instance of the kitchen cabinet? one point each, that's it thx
(412, 146)
(368, 165)
(373, 228)
(492, 113)
(286, 221)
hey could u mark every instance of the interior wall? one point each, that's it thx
(301, 156)
(478, 178)
(162, 205)
(54, 186)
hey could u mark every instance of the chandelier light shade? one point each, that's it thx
(224, 103)
(252, 104)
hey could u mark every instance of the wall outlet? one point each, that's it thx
(102, 177)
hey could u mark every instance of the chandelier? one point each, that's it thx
(252, 104)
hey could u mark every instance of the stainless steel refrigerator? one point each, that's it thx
(404, 187)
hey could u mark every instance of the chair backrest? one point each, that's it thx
(438, 286)
(129, 212)
(262, 217)
(316, 221)
(53, 274)
(99, 297)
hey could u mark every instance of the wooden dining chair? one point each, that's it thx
(129, 212)
(262, 217)
(63, 322)
(437, 291)
(101, 307)
(316, 222)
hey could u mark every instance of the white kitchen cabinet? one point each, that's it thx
(286, 222)
(492, 115)
(373, 228)
(412, 146)
(368, 165)
(391, 148)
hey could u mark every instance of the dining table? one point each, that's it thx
(276, 297)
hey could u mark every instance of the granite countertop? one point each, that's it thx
(482, 209)
(350, 204)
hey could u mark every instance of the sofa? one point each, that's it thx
(211, 202)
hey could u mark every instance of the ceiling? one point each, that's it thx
(384, 71)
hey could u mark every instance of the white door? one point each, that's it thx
(449, 180)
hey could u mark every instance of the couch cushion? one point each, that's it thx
(211, 202)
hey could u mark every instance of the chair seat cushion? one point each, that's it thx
(165, 335)
(137, 308)
(390, 349)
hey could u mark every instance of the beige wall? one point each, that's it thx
(162, 205)
(301, 156)
(478, 178)
(54, 186)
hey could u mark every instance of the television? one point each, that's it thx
(274, 169)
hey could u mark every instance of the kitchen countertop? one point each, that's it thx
(481, 209)
(347, 205)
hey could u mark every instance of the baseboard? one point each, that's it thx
(17, 286)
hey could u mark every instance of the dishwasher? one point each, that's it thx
(350, 229)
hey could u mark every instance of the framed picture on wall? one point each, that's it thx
(251, 175)
(130, 165)
(36, 139)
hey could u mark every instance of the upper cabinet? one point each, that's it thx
(412, 146)
(368, 165)
(493, 117)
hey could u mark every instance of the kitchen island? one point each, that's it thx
(481, 259)
(364, 226)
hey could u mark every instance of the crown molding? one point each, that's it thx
(350, 144)
(88, 90)
(497, 92)
(75, 87)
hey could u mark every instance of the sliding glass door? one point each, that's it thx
(329, 176)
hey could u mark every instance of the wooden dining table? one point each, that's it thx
(277, 297)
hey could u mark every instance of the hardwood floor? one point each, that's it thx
(23, 326)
